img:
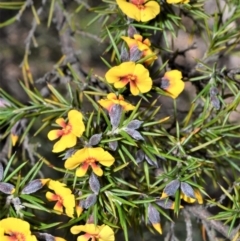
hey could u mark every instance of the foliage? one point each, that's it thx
(123, 164)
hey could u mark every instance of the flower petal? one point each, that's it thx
(97, 169)
(69, 204)
(76, 159)
(102, 156)
(83, 237)
(61, 122)
(66, 141)
(51, 196)
(151, 10)
(89, 228)
(54, 134)
(107, 104)
(106, 234)
(75, 119)
(81, 171)
(176, 85)
(129, 9)
(58, 207)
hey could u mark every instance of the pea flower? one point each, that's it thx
(89, 156)
(142, 45)
(140, 10)
(172, 83)
(69, 132)
(134, 74)
(15, 229)
(63, 196)
(177, 1)
(113, 99)
(93, 232)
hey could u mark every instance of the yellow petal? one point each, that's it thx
(102, 156)
(75, 119)
(129, 9)
(115, 73)
(157, 227)
(66, 141)
(198, 195)
(76, 159)
(186, 198)
(16, 225)
(83, 238)
(51, 196)
(176, 85)
(130, 42)
(89, 228)
(59, 239)
(97, 169)
(79, 210)
(151, 10)
(61, 122)
(69, 204)
(58, 207)
(134, 88)
(120, 84)
(107, 104)
(14, 139)
(54, 134)
(81, 171)
(106, 234)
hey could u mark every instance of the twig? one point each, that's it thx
(203, 214)
(89, 35)
(210, 232)
(66, 42)
(188, 222)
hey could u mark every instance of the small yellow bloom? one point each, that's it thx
(89, 157)
(113, 99)
(63, 196)
(142, 45)
(94, 232)
(134, 74)
(140, 10)
(69, 133)
(172, 83)
(15, 229)
(177, 1)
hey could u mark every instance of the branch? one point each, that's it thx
(200, 212)
(65, 37)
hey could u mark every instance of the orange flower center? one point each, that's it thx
(65, 130)
(129, 78)
(17, 237)
(90, 160)
(59, 199)
(139, 3)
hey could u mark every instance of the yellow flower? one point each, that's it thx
(69, 133)
(15, 230)
(63, 196)
(134, 74)
(140, 10)
(177, 1)
(113, 99)
(143, 45)
(89, 157)
(172, 83)
(94, 232)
